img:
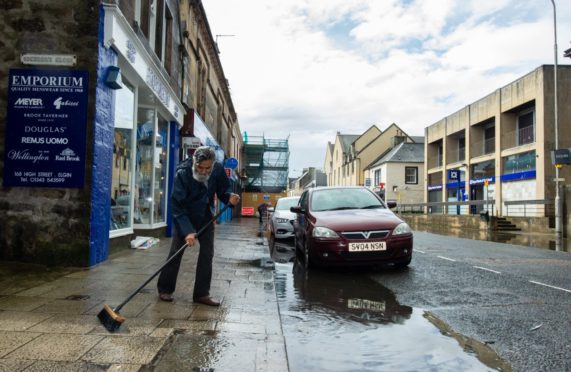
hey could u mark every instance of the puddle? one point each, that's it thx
(344, 321)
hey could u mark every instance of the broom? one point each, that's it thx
(110, 317)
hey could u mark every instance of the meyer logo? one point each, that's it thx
(59, 102)
(29, 103)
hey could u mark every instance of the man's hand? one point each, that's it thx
(234, 199)
(190, 239)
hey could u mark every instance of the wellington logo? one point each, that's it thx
(59, 102)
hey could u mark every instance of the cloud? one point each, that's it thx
(309, 68)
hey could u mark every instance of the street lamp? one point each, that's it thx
(558, 219)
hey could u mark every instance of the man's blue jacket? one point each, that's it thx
(192, 201)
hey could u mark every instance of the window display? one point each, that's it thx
(151, 167)
(122, 175)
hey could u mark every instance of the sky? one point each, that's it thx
(304, 70)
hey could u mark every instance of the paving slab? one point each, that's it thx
(55, 347)
(10, 341)
(20, 320)
(129, 350)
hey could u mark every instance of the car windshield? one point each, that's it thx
(338, 199)
(285, 204)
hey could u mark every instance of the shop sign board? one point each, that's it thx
(45, 128)
(561, 156)
(247, 211)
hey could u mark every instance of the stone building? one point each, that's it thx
(350, 155)
(100, 100)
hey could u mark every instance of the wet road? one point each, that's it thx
(459, 299)
(344, 321)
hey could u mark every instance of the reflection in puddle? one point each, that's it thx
(344, 321)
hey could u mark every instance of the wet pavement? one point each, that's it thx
(339, 320)
(48, 317)
(536, 240)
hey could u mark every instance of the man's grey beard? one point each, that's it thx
(200, 177)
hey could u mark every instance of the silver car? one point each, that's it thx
(281, 222)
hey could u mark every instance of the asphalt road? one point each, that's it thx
(513, 298)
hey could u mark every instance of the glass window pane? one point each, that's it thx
(144, 165)
(122, 170)
(161, 152)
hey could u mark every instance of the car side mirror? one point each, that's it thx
(296, 209)
(270, 209)
(391, 204)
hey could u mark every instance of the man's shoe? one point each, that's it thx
(207, 300)
(167, 297)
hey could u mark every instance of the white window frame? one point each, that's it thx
(406, 181)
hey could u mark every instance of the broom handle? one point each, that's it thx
(170, 259)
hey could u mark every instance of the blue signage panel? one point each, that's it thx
(45, 128)
(453, 174)
(231, 163)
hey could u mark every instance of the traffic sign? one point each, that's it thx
(232, 163)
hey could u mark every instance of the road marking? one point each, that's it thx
(419, 251)
(550, 286)
(446, 258)
(490, 270)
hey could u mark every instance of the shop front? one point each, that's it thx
(138, 117)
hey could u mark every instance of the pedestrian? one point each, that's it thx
(196, 182)
(263, 210)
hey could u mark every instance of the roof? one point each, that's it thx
(346, 141)
(417, 139)
(402, 153)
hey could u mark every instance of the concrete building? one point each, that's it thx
(499, 147)
(97, 94)
(347, 158)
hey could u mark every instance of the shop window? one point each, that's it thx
(519, 163)
(483, 170)
(161, 150)
(151, 168)
(122, 169)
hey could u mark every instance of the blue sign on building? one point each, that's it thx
(45, 128)
(454, 175)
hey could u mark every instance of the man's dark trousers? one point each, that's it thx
(168, 276)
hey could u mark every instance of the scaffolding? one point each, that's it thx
(267, 164)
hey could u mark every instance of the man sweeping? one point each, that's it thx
(195, 184)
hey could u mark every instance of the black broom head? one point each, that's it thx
(110, 319)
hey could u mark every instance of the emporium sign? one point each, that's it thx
(45, 128)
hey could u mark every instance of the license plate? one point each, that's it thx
(362, 304)
(367, 246)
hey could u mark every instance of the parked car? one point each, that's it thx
(350, 226)
(281, 221)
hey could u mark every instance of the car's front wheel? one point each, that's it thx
(306, 259)
(403, 264)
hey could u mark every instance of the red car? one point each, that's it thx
(350, 226)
